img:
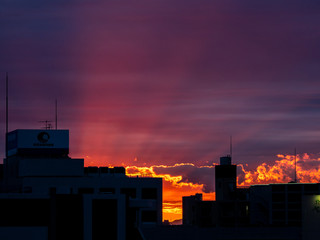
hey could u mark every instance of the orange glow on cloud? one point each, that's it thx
(149, 172)
(282, 171)
(173, 189)
(175, 186)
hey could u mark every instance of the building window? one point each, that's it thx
(93, 169)
(313, 188)
(104, 170)
(27, 189)
(104, 219)
(294, 197)
(52, 190)
(149, 193)
(294, 215)
(294, 187)
(85, 190)
(24, 212)
(278, 188)
(107, 190)
(278, 197)
(278, 215)
(129, 192)
(278, 206)
(149, 216)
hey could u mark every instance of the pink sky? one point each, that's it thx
(149, 83)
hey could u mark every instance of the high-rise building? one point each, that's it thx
(231, 206)
(226, 180)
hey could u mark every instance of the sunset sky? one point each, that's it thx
(160, 86)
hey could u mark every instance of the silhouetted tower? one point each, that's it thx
(226, 179)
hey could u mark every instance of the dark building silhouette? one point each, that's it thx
(226, 180)
(232, 203)
(231, 207)
(197, 212)
(45, 194)
(288, 207)
(279, 204)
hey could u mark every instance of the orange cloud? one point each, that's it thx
(283, 170)
(185, 179)
(175, 180)
(175, 186)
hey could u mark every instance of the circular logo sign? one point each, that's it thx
(43, 137)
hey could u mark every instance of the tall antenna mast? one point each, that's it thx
(7, 115)
(295, 165)
(231, 147)
(56, 114)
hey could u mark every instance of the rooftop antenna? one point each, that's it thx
(7, 115)
(231, 147)
(295, 165)
(56, 114)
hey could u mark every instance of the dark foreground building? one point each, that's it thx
(281, 208)
(231, 208)
(47, 195)
(184, 232)
(280, 204)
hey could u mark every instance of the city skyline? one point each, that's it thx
(161, 86)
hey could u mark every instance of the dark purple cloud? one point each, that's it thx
(190, 174)
(166, 81)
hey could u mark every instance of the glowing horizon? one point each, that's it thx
(185, 179)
